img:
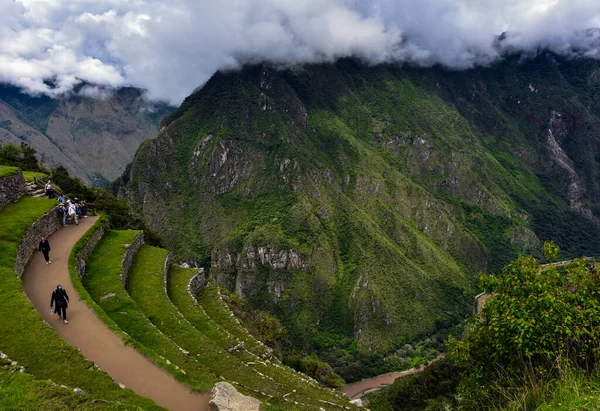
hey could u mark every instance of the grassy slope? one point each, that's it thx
(25, 338)
(215, 320)
(6, 171)
(146, 287)
(208, 317)
(209, 299)
(104, 277)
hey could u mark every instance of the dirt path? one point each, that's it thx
(357, 389)
(87, 332)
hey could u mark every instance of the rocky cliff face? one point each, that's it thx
(361, 203)
(95, 137)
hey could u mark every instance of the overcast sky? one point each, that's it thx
(171, 47)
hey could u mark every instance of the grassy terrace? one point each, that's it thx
(198, 317)
(177, 289)
(27, 339)
(29, 175)
(103, 283)
(6, 171)
(210, 300)
(145, 285)
(23, 392)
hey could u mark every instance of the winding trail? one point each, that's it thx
(95, 340)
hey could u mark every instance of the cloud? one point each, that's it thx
(170, 48)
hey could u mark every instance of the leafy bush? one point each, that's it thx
(538, 322)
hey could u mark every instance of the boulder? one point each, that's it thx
(226, 398)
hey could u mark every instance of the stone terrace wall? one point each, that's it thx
(197, 282)
(132, 250)
(88, 248)
(11, 188)
(45, 226)
(168, 261)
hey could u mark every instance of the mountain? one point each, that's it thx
(92, 132)
(360, 203)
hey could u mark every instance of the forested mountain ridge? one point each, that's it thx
(360, 203)
(93, 132)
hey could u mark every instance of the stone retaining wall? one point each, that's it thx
(45, 226)
(11, 188)
(166, 270)
(197, 282)
(132, 250)
(88, 248)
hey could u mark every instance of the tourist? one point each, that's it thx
(83, 207)
(60, 300)
(73, 213)
(49, 190)
(62, 214)
(62, 199)
(44, 248)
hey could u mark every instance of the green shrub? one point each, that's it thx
(538, 323)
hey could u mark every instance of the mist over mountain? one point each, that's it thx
(171, 48)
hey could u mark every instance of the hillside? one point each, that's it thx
(360, 203)
(93, 135)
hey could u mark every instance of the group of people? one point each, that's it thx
(71, 210)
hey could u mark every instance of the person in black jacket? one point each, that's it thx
(45, 249)
(60, 300)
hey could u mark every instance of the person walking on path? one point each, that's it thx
(60, 300)
(44, 248)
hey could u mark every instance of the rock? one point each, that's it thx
(78, 391)
(237, 347)
(358, 402)
(226, 398)
(122, 386)
(185, 265)
(22, 369)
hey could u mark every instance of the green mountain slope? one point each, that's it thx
(360, 203)
(94, 136)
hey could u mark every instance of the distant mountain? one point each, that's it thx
(360, 203)
(93, 132)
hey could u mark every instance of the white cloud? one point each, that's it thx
(172, 47)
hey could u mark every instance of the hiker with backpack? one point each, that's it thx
(60, 300)
(44, 248)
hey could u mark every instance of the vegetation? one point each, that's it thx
(26, 339)
(145, 284)
(6, 171)
(22, 156)
(103, 279)
(535, 345)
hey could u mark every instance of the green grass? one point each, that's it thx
(222, 328)
(571, 392)
(210, 317)
(6, 171)
(104, 277)
(145, 285)
(21, 391)
(29, 175)
(26, 338)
